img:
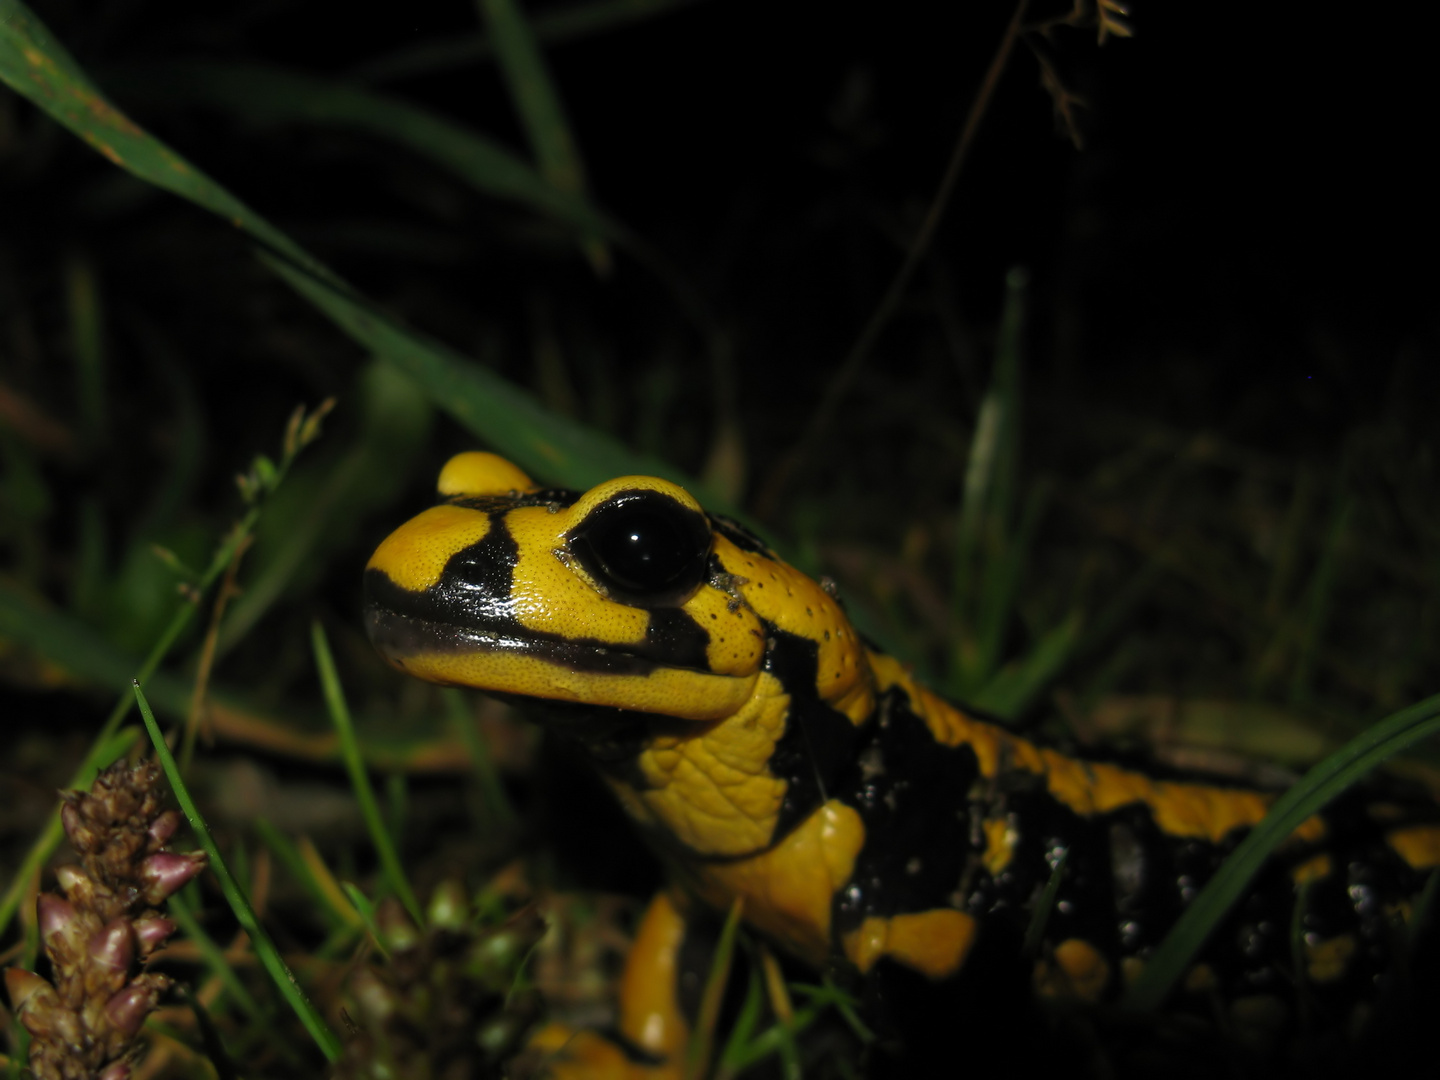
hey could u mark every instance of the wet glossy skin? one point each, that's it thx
(769, 755)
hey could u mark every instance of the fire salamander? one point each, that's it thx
(868, 827)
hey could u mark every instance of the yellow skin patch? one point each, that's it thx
(713, 791)
(649, 1014)
(1088, 788)
(551, 595)
(1314, 868)
(479, 473)
(699, 775)
(1326, 961)
(1078, 971)
(414, 555)
(787, 890)
(1201, 979)
(1418, 845)
(934, 943)
(797, 605)
(1000, 838)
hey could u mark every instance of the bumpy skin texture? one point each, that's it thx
(769, 754)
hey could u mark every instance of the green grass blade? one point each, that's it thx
(527, 77)
(982, 535)
(507, 417)
(560, 24)
(214, 956)
(87, 340)
(1013, 689)
(1321, 784)
(264, 947)
(1319, 599)
(302, 431)
(284, 849)
(273, 96)
(1040, 917)
(38, 67)
(702, 1037)
(359, 778)
(511, 421)
(210, 1040)
(498, 811)
(365, 909)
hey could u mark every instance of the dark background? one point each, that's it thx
(1228, 390)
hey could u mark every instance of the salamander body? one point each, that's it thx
(769, 755)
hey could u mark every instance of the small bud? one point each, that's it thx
(396, 930)
(376, 1000)
(71, 878)
(55, 914)
(165, 873)
(164, 826)
(449, 906)
(23, 986)
(70, 819)
(151, 933)
(113, 945)
(127, 1010)
(116, 1070)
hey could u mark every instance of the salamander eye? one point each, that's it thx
(644, 548)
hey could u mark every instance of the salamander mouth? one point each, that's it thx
(399, 637)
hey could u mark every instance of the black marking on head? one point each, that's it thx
(470, 609)
(818, 745)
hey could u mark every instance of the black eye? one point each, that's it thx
(644, 548)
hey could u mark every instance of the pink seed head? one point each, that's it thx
(71, 820)
(23, 986)
(70, 878)
(151, 933)
(113, 945)
(164, 826)
(55, 914)
(165, 872)
(127, 1010)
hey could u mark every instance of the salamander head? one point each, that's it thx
(615, 597)
(630, 597)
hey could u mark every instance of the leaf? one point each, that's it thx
(510, 420)
(269, 96)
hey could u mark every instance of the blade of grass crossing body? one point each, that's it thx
(359, 778)
(702, 1038)
(38, 67)
(264, 947)
(541, 113)
(1320, 785)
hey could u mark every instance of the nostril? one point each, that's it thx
(473, 573)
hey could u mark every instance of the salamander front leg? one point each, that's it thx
(653, 1031)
